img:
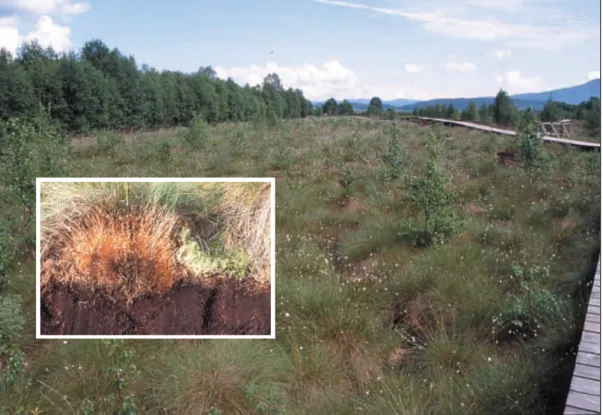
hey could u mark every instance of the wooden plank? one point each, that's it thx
(583, 385)
(590, 337)
(593, 318)
(584, 401)
(594, 327)
(588, 372)
(572, 410)
(589, 348)
(595, 294)
(589, 359)
(595, 301)
(592, 309)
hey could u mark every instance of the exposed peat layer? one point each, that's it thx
(145, 269)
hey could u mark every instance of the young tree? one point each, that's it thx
(377, 103)
(429, 195)
(528, 134)
(330, 107)
(345, 108)
(551, 112)
(451, 112)
(484, 114)
(472, 112)
(593, 118)
(504, 111)
(375, 106)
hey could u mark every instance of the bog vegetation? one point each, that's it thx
(415, 273)
(91, 233)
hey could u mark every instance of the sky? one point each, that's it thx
(343, 49)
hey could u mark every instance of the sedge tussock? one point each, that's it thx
(132, 250)
(144, 237)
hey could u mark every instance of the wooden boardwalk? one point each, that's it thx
(584, 397)
(584, 144)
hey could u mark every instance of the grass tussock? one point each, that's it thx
(144, 237)
(131, 249)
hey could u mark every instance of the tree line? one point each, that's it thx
(101, 88)
(502, 111)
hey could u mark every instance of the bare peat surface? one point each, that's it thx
(224, 307)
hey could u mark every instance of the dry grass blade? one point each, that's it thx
(246, 208)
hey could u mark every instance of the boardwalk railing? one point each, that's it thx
(584, 397)
(562, 128)
(584, 144)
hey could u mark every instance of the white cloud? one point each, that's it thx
(516, 83)
(47, 33)
(594, 75)
(320, 82)
(460, 66)
(413, 68)
(489, 29)
(329, 79)
(44, 7)
(502, 54)
(507, 5)
(9, 34)
(75, 8)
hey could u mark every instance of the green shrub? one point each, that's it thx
(7, 251)
(13, 321)
(530, 307)
(428, 194)
(110, 143)
(282, 159)
(352, 147)
(196, 136)
(528, 134)
(393, 159)
(163, 151)
(593, 162)
(32, 148)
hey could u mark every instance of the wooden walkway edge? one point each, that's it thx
(584, 397)
(512, 133)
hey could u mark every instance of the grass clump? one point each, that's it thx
(144, 237)
(110, 143)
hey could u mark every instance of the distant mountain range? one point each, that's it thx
(572, 95)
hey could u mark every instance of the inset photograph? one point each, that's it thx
(155, 258)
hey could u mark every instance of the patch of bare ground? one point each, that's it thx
(414, 315)
(398, 356)
(352, 205)
(472, 209)
(566, 223)
(508, 157)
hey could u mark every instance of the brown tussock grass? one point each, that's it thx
(131, 250)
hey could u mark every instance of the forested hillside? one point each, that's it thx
(101, 88)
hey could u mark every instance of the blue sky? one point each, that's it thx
(345, 49)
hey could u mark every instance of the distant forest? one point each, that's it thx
(101, 88)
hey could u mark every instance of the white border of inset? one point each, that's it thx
(270, 180)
